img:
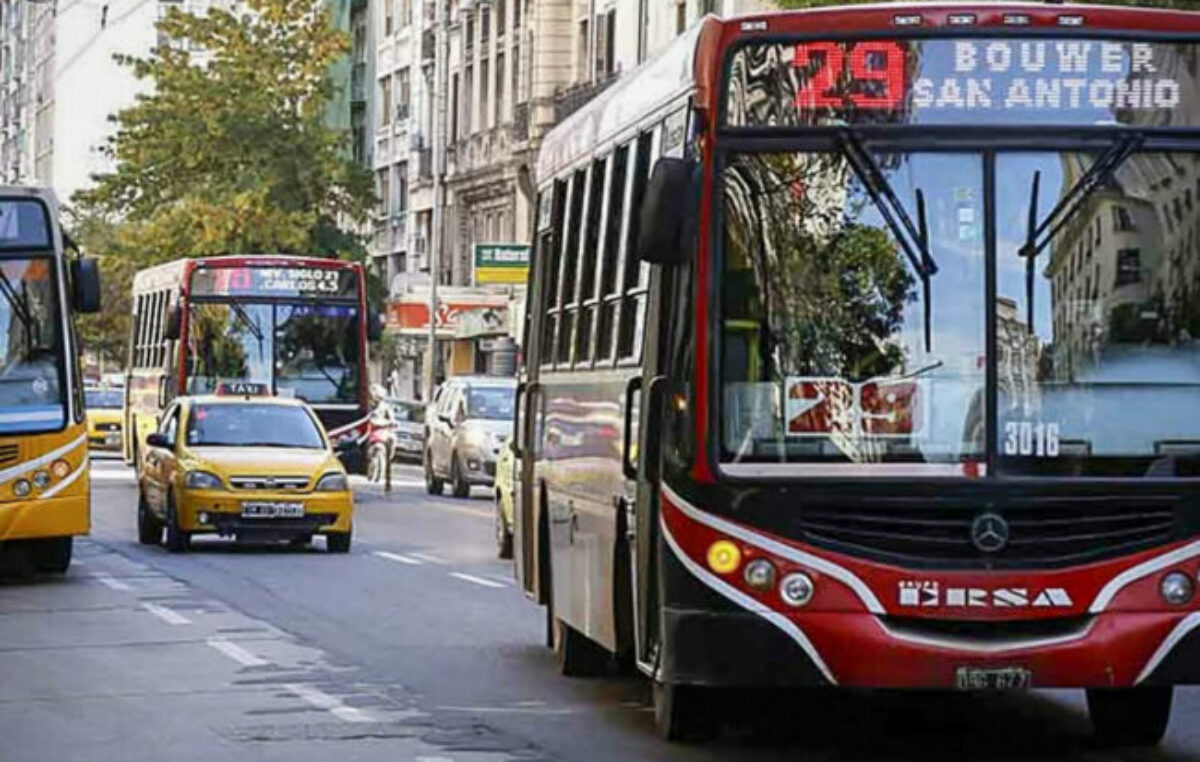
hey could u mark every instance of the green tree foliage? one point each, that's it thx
(227, 152)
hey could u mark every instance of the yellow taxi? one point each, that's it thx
(104, 414)
(246, 465)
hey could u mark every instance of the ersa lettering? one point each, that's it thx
(1051, 75)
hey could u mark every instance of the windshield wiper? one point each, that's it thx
(1038, 236)
(20, 309)
(912, 237)
(255, 330)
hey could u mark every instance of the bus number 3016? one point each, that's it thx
(1029, 438)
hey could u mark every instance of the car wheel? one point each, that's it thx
(504, 538)
(52, 555)
(150, 529)
(337, 542)
(459, 486)
(433, 485)
(177, 539)
(1130, 716)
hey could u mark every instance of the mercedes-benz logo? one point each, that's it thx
(989, 532)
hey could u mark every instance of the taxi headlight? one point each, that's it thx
(333, 482)
(203, 480)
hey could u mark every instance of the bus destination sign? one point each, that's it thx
(274, 281)
(983, 81)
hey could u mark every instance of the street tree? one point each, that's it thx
(228, 151)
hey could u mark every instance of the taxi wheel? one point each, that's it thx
(1130, 716)
(337, 542)
(177, 539)
(433, 485)
(459, 486)
(52, 555)
(684, 713)
(150, 529)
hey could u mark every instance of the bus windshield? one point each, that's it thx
(31, 383)
(307, 350)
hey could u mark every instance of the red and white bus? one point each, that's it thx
(863, 350)
(298, 324)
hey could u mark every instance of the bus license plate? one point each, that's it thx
(272, 510)
(1011, 679)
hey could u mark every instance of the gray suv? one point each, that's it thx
(465, 425)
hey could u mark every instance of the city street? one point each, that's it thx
(415, 646)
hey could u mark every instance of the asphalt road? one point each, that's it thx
(415, 646)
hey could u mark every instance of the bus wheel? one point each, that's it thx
(337, 542)
(177, 539)
(459, 486)
(433, 485)
(150, 529)
(683, 712)
(576, 655)
(1130, 716)
(52, 555)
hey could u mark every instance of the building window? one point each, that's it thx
(485, 113)
(384, 182)
(401, 188)
(1129, 267)
(405, 13)
(606, 27)
(468, 100)
(484, 18)
(680, 17)
(403, 92)
(517, 16)
(387, 18)
(581, 58)
(516, 75)
(385, 100)
(1122, 220)
(455, 107)
(499, 87)
(500, 18)
(469, 34)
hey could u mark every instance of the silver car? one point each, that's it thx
(465, 426)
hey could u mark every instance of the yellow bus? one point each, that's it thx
(43, 434)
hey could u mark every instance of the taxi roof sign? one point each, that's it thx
(243, 389)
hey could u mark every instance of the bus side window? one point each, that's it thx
(566, 291)
(615, 219)
(588, 255)
(550, 278)
(634, 272)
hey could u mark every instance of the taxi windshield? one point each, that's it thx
(252, 425)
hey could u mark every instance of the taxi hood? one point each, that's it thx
(266, 461)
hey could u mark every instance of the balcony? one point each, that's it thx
(519, 129)
(569, 100)
(425, 164)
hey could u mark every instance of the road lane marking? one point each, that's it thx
(236, 652)
(476, 580)
(166, 614)
(398, 558)
(110, 581)
(106, 475)
(323, 700)
(429, 558)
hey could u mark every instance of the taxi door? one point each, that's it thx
(160, 463)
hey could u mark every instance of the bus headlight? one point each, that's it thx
(202, 480)
(60, 468)
(759, 574)
(41, 479)
(333, 482)
(724, 557)
(22, 488)
(796, 589)
(1176, 588)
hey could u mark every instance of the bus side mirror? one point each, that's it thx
(85, 280)
(664, 211)
(174, 318)
(374, 327)
(156, 439)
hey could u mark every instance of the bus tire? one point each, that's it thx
(433, 485)
(150, 529)
(177, 539)
(1130, 716)
(577, 656)
(337, 542)
(683, 713)
(52, 555)
(459, 486)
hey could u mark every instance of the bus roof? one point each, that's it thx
(660, 82)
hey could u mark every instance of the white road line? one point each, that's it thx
(476, 580)
(110, 581)
(236, 652)
(111, 476)
(398, 558)
(323, 700)
(429, 558)
(166, 614)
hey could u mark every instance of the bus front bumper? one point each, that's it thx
(44, 517)
(225, 513)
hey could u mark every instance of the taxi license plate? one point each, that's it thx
(272, 510)
(1010, 679)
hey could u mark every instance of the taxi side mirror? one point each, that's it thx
(156, 439)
